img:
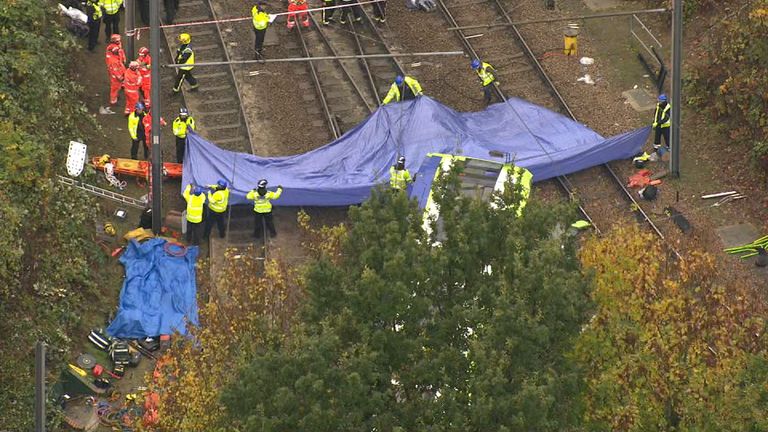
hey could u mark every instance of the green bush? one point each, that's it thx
(46, 249)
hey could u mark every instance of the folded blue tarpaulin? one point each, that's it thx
(344, 171)
(159, 295)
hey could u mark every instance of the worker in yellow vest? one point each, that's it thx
(661, 123)
(111, 11)
(261, 20)
(93, 10)
(404, 88)
(399, 177)
(486, 73)
(218, 200)
(195, 199)
(262, 208)
(181, 125)
(185, 56)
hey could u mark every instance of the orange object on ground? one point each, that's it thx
(641, 179)
(138, 168)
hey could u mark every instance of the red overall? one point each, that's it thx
(147, 122)
(145, 63)
(109, 52)
(131, 86)
(116, 70)
(297, 6)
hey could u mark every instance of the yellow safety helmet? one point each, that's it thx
(109, 229)
(104, 159)
(184, 38)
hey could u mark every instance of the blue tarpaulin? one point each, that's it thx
(159, 292)
(344, 171)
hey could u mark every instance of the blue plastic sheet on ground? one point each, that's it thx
(159, 294)
(344, 171)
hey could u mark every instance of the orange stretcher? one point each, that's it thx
(137, 168)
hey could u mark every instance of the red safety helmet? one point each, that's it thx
(133, 65)
(143, 51)
(115, 38)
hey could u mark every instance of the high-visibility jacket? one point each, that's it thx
(394, 90)
(116, 69)
(218, 199)
(94, 10)
(661, 117)
(180, 126)
(485, 72)
(111, 7)
(109, 54)
(195, 204)
(260, 18)
(133, 124)
(399, 179)
(262, 203)
(185, 56)
(145, 66)
(132, 79)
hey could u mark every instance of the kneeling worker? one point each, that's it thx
(195, 199)
(262, 207)
(404, 88)
(218, 199)
(399, 177)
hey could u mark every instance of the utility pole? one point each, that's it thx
(40, 387)
(677, 84)
(130, 25)
(157, 156)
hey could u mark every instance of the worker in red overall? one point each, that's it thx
(297, 6)
(131, 86)
(145, 66)
(114, 41)
(147, 123)
(116, 71)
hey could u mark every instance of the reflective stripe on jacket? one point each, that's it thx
(394, 90)
(262, 203)
(133, 124)
(217, 201)
(111, 7)
(195, 204)
(180, 126)
(485, 72)
(260, 18)
(95, 11)
(664, 121)
(185, 56)
(399, 179)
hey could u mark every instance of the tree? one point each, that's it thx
(668, 348)
(398, 334)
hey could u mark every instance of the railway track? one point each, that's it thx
(217, 104)
(514, 58)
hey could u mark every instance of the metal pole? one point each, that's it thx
(130, 24)
(39, 387)
(571, 18)
(157, 156)
(326, 58)
(677, 86)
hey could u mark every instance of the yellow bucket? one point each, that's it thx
(570, 36)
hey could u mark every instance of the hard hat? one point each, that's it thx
(475, 64)
(104, 159)
(183, 111)
(399, 79)
(262, 183)
(222, 183)
(115, 38)
(198, 190)
(133, 65)
(139, 106)
(185, 38)
(115, 50)
(109, 229)
(143, 51)
(662, 97)
(401, 160)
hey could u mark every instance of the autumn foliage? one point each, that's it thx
(668, 348)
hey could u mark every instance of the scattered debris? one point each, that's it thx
(648, 193)
(587, 79)
(106, 110)
(757, 247)
(718, 195)
(728, 199)
(642, 178)
(586, 61)
(678, 219)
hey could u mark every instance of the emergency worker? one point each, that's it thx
(661, 123)
(93, 10)
(145, 68)
(116, 71)
(195, 199)
(181, 124)
(137, 131)
(399, 177)
(185, 56)
(262, 208)
(261, 20)
(300, 7)
(404, 88)
(486, 74)
(131, 85)
(111, 18)
(218, 199)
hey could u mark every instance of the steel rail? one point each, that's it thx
(364, 63)
(328, 44)
(635, 205)
(563, 181)
(246, 124)
(328, 115)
